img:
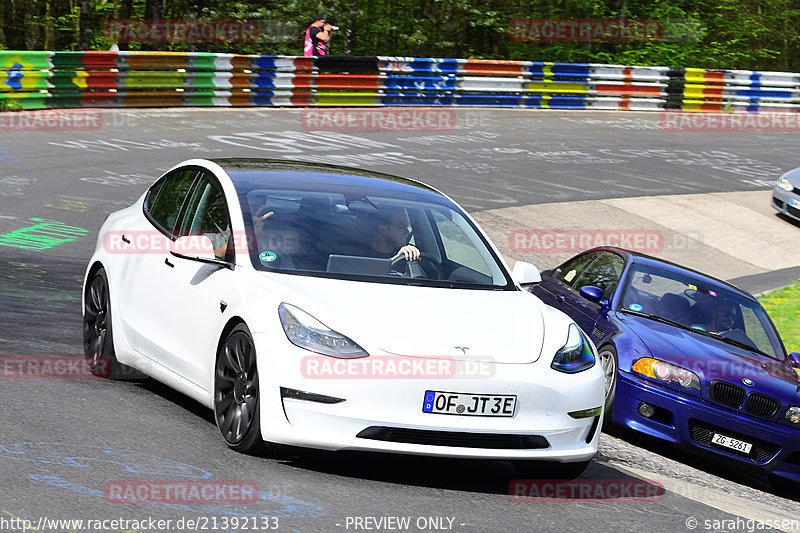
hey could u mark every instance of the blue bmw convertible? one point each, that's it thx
(687, 358)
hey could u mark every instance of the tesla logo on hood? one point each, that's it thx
(748, 382)
(462, 348)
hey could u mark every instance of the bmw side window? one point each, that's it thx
(207, 214)
(165, 198)
(569, 272)
(604, 272)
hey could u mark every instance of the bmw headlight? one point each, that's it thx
(785, 184)
(663, 371)
(576, 355)
(793, 415)
(307, 332)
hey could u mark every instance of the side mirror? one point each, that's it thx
(525, 273)
(197, 248)
(594, 294)
(794, 359)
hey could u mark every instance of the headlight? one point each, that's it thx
(785, 184)
(307, 332)
(576, 355)
(793, 415)
(663, 371)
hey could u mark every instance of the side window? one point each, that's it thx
(604, 272)
(570, 271)
(207, 214)
(165, 198)
(457, 247)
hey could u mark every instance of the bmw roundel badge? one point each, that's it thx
(748, 382)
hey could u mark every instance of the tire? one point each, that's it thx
(98, 338)
(549, 469)
(237, 406)
(608, 360)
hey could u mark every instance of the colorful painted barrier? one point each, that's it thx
(36, 79)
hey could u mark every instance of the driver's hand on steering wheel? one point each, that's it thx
(409, 251)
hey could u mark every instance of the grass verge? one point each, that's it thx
(783, 307)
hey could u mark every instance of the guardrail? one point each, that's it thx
(35, 80)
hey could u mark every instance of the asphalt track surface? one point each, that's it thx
(62, 440)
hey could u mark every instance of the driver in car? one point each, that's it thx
(391, 233)
(722, 318)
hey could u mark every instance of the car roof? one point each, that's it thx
(648, 260)
(303, 174)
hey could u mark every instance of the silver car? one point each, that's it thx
(786, 194)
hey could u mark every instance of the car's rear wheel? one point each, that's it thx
(236, 392)
(549, 469)
(608, 361)
(98, 339)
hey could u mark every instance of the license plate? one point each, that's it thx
(730, 442)
(452, 403)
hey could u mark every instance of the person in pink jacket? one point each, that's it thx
(317, 37)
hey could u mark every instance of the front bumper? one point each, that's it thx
(379, 406)
(691, 421)
(786, 202)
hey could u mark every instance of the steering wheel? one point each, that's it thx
(415, 269)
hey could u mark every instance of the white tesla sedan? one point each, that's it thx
(340, 309)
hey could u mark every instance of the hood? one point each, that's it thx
(713, 359)
(498, 326)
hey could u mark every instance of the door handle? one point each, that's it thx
(561, 298)
(166, 262)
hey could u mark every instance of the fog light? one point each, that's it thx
(646, 410)
(793, 415)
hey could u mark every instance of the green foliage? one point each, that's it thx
(783, 307)
(9, 104)
(744, 34)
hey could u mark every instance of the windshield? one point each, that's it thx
(707, 309)
(349, 235)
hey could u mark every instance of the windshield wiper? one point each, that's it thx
(657, 318)
(741, 344)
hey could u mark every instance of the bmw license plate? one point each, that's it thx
(452, 403)
(730, 442)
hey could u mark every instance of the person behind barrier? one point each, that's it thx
(317, 37)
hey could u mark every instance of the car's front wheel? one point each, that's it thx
(608, 361)
(549, 469)
(236, 392)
